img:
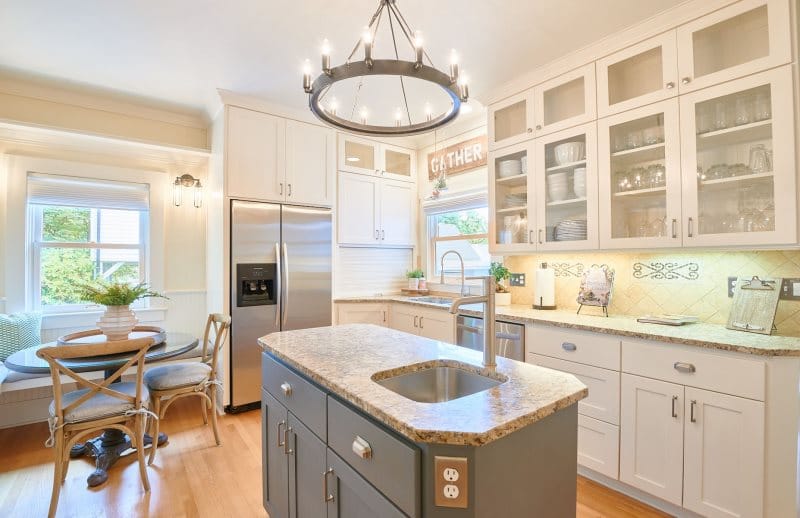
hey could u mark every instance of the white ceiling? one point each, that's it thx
(181, 51)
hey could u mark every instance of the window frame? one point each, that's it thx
(36, 244)
(471, 202)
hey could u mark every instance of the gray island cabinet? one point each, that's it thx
(339, 442)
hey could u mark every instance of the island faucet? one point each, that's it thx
(464, 289)
(487, 299)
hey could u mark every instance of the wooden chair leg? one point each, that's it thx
(213, 409)
(204, 406)
(139, 430)
(156, 403)
(57, 477)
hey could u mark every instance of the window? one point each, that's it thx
(461, 226)
(84, 231)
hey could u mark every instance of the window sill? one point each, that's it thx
(89, 318)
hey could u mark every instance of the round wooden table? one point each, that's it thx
(112, 444)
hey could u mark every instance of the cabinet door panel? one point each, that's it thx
(353, 497)
(310, 164)
(404, 318)
(437, 325)
(306, 465)
(397, 212)
(651, 437)
(511, 120)
(357, 217)
(511, 193)
(598, 446)
(398, 163)
(275, 464)
(566, 101)
(377, 314)
(255, 155)
(357, 155)
(724, 455)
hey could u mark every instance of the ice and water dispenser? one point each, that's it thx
(256, 284)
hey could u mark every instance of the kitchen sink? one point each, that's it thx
(438, 383)
(444, 301)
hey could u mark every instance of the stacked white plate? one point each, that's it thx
(579, 182)
(570, 230)
(557, 187)
(509, 167)
(516, 200)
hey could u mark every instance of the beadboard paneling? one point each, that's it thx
(367, 271)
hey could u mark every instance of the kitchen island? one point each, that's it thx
(344, 435)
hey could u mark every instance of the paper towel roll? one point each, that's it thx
(545, 287)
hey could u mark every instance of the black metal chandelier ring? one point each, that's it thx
(384, 67)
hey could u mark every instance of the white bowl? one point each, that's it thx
(508, 168)
(569, 152)
(557, 193)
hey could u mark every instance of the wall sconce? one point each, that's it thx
(187, 180)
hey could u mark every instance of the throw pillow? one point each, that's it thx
(19, 331)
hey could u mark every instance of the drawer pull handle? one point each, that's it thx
(569, 346)
(691, 411)
(420, 323)
(286, 388)
(286, 449)
(674, 400)
(415, 320)
(686, 368)
(362, 448)
(325, 494)
(280, 434)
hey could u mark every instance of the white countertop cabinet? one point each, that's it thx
(377, 314)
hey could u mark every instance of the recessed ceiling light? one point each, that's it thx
(353, 159)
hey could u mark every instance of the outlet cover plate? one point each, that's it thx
(517, 280)
(459, 464)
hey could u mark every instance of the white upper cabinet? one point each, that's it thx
(641, 74)
(640, 177)
(741, 39)
(364, 156)
(738, 153)
(511, 120)
(397, 213)
(255, 155)
(509, 203)
(375, 211)
(566, 101)
(310, 164)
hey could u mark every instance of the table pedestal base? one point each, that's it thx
(107, 449)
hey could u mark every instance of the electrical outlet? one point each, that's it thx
(517, 279)
(790, 289)
(450, 483)
(731, 285)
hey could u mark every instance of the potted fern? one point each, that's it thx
(502, 296)
(118, 320)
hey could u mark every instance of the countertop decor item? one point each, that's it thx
(755, 302)
(545, 288)
(596, 287)
(413, 279)
(118, 320)
(502, 296)
(668, 320)
(93, 336)
(452, 83)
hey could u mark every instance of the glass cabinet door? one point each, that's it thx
(746, 37)
(566, 101)
(640, 177)
(508, 199)
(639, 75)
(357, 155)
(739, 162)
(511, 120)
(398, 162)
(566, 190)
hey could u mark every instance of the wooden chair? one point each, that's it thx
(97, 407)
(168, 383)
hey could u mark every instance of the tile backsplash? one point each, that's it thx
(649, 283)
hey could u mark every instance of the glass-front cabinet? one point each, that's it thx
(364, 156)
(640, 177)
(641, 74)
(509, 184)
(739, 162)
(565, 101)
(397, 162)
(565, 190)
(743, 38)
(511, 120)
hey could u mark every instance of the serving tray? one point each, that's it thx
(95, 336)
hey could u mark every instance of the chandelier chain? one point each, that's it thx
(407, 29)
(397, 55)
(379, 15)
(359, 42)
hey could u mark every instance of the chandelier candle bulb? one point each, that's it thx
(398, 116)
(463, 87)
(363, 113)
(326, 57)
(428, 111)
(367, 38)
(333, 105)
(418, 50)
(453, 66)
(307, 76)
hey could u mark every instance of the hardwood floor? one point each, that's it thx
(191, 477)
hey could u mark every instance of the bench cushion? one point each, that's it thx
(19, 331)
(176, 375)
(100, 405)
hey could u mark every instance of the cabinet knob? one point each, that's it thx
(362, 448)
(538, 126)
(286, 388)
(530, 130)
(670, 85)
(686, 80)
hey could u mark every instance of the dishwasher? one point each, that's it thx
(510, 337)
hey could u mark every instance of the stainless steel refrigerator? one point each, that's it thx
(280, 280)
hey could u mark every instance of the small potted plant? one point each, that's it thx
(502, 296)
(118, 320)
(413, 279)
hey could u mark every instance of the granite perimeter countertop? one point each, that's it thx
(343, 359)
(709, 336)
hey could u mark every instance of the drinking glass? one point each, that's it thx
(703, 119)
(720, 115)
(743, 110)
(634, 139)
(762, 109)
(760, 160)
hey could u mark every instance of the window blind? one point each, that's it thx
(68, 191)
(462, 201)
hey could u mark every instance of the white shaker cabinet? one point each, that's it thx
(310, 164)
(397, 212)
(375, 211)
(362, 313)
(436, 324)
(255, 159)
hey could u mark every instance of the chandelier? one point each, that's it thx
(452, 84)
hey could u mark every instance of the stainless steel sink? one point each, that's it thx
(444, 301)
(437, 384)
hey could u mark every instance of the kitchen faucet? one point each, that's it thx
(464, 289)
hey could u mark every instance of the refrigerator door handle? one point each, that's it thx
(280, 284)
(285, 282)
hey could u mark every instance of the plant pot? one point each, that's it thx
(413, 284)
(423, 284)
(502, 299)
(117, 322)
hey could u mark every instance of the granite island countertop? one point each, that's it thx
(709, 336)
(343, 359)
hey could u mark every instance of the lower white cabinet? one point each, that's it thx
(377, 314)
(598, 446)
(436, 324)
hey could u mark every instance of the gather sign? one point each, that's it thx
(458, 158)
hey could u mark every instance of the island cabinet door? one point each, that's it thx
(306, 454)
(275, 463)
(651, 437)
(350, 496)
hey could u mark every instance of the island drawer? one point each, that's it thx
(387, 462)
(688, 366)
(296, 393)
(576, 346)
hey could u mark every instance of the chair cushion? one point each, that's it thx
(176, 375)
(100, 405)
(19, 331)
